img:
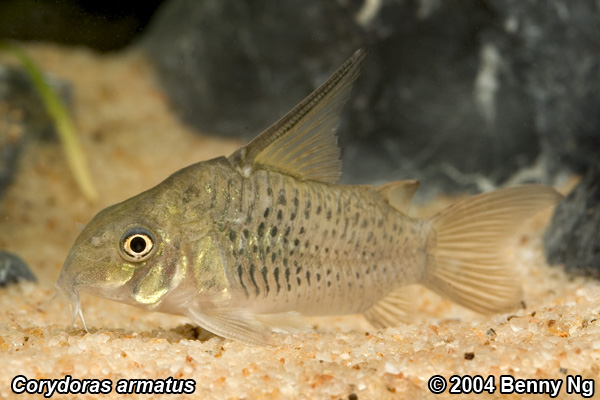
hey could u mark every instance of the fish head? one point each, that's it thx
(125, 253)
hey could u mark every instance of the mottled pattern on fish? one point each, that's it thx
(312, 247)
(242, 245)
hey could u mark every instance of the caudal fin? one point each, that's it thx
(467, 260)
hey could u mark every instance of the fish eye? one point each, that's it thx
(137, 244)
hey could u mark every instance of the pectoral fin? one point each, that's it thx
(303, 143)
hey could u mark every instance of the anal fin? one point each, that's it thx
(395, 307)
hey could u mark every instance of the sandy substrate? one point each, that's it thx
(133, 141)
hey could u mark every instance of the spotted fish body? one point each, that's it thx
(308, 246)
(242, 245)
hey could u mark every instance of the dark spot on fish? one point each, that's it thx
(298, 270)
(274, 231)
(368, 271)
(246, 233)
(333, 233)
(276, 275)
(268, 249)
(279, 215)
(308, 277)
(357, 275)
(241, 252)
(328, 272)
(232, 235)
(252, 270)
(261, 229)
(287, 230)
(293, 216)
(326, 250)
(319, 208)
(302, 230)
(306, 244)
(273, 257)
(318, 277)
(269, 191)
(395, 227)
(267, 212)
(356, 218)
(337, 276)
(316, 247)
(287, 278)
(296, 242)
(254, 248)
(265, 279)
(281, 198)
(307, 205)
(298, 281)
(328, 283)
(364, 224)
(369, 236)
(380, 223)
(285, 262)
(240, 272)
(296, 201)
(328, 215)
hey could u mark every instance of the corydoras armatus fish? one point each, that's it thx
(243, 244)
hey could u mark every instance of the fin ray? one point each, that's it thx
(393, 308)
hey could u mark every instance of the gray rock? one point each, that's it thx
(573, 237)
(233, 67)
(13, 269)
(464, 96)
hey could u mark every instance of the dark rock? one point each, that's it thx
(22, 111)
(460, 95)
(13, 269)
(103, 25)
(234, 67)
(573, 237)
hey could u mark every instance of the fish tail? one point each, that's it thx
(467, 257)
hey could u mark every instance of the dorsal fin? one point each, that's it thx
(399, 194)
(303, 143)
